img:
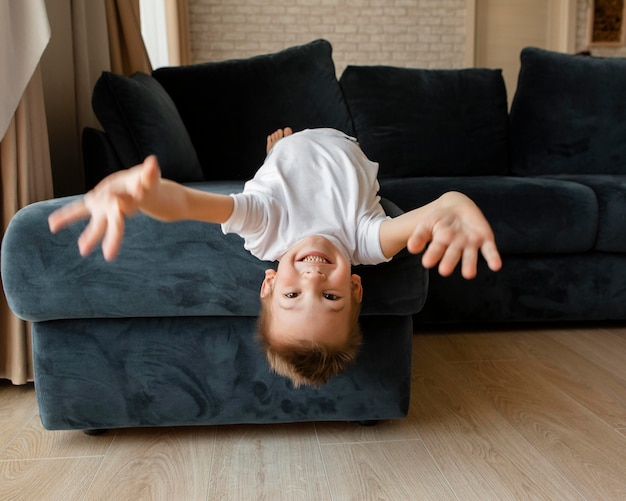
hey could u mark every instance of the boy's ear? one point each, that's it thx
(268, 283)
(357, 288)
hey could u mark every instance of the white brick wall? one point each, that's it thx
(412, 33)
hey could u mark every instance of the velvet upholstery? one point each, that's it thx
(567, 115)
(141, 119)
(610, 192)
(164, 270)
(230, 107)
(418, 122)
(100, 158)
(165, 335)
(112, 373)
(542, 216)
(562, 288)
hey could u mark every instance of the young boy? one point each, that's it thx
(313, 206)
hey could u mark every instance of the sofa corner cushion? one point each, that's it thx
(528, 215)
(419, 122)
(230, 107)
(567, 115)
(141, 119)
(610, 190)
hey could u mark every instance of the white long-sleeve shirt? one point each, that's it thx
(313, 182)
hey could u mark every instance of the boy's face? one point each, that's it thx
(311, 292)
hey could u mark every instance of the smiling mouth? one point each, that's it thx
(314, 259)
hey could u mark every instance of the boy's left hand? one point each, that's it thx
(455, 230)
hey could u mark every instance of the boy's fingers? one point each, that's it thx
(144, 177)
(92, 235)
(418, 240)
(433, 254)
(491, 255)
(469, 263)
(449, 260)
(67, 215)
(113, 237)
(150, 172)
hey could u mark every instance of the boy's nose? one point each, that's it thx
(314, 274)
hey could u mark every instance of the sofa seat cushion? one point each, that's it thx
(418, 122)
(230, 107)
(528, 215)
(186, 268)
(610, 191)
(566, 116)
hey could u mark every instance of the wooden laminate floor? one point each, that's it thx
(495, 415)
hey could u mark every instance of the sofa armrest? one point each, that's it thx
(163, 270)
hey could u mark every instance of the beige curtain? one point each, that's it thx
(24, 151)
(128, 52)
(26, 178)
(91, 55)
(178, 42)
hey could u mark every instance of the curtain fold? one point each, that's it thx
(178, 41)
(24, 150)
(128, 52)
(91, 55)
(26, 178)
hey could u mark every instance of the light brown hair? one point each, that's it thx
(307, 362)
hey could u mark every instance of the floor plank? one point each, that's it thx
(578, 444)
(348, 433)
(35, 442)
(268, 462)
(478, 344)
(481, 455)
(48, 479)
(147, 464)
(598, 389)
(384, 470)
(17, 407)
(603, 346)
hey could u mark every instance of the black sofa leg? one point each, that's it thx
(368, 422)
(94, 432)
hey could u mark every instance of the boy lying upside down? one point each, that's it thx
(313, 206)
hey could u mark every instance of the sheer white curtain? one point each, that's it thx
(165, 30)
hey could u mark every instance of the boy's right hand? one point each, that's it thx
(118, 195)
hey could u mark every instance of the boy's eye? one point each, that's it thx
(331, 297)
(291, 295)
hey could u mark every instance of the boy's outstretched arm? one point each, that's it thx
(453, 228)
(123, 193)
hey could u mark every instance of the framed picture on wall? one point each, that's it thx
(606, 22)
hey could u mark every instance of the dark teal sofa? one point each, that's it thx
(164, 335)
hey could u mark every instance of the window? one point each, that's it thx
(154, 31)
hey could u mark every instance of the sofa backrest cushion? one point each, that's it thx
(568, 115)
(230, 107)
(141, 119)
(418, 122)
